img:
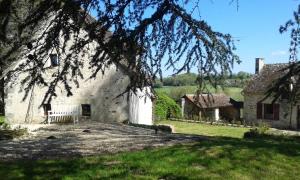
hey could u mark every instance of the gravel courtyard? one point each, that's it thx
(84, 139)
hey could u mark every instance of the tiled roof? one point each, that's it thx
(262, 81)
(209, 100)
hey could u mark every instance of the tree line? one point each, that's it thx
(191, 79)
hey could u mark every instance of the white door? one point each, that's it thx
(140, 107)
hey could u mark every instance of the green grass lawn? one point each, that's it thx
(218, 158)
(233, 92)
(206, 129)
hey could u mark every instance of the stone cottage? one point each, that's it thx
(98, 98)
(210, 106)
(275, 114)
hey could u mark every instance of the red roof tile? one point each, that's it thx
(209, 100)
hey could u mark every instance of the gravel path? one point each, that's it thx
(84, 139)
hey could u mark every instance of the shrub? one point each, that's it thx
(166, 106)
(158, 84)
(1, 120)
(3, 124)
(258, 131)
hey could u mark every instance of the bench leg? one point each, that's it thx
(51, 119)
(76, 119)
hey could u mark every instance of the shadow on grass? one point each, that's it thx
(214, 157)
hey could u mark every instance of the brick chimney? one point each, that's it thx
(259, 64)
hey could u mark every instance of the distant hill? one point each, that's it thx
(190, 79)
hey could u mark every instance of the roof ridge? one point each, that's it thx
(277, 64)
(259, 83)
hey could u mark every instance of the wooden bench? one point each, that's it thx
(60, 113)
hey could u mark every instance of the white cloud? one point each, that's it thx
(278, 53)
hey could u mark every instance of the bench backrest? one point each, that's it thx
(65, 109)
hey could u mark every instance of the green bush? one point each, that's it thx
(166, 106)
(158, 84)
(3, 124)
(2, 120)
(257, 131)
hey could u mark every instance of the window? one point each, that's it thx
(267, 111)
(46, 107)
(54, 60)
(86, 109)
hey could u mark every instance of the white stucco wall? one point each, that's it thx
(140, 107)
(216, 114)
(101, 93)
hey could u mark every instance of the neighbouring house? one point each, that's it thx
(257, 110)
(210, 106)
(98, 98)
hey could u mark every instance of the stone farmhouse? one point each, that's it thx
(275, 114)
(97, 99)
(210, 106)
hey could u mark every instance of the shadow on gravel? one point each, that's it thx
(206, 155)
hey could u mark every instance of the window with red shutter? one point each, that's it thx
(268, 111)
(259, 110)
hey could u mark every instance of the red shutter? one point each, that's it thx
(259, 110)
(276, 111)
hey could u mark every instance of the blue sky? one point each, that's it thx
(256, 24)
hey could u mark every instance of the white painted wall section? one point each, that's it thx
(182, 106)
(217, 114)
(140, 107)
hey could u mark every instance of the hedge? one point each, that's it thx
(166, 106)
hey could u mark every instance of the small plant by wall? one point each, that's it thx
(258, 131)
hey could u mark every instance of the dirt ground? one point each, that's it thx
(85, 139)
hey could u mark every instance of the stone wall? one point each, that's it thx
(190, 111)
(224, 113)
(229, 113)
(193, 112)
(250, 117)
(102, 93)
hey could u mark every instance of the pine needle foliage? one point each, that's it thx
(143, 37)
